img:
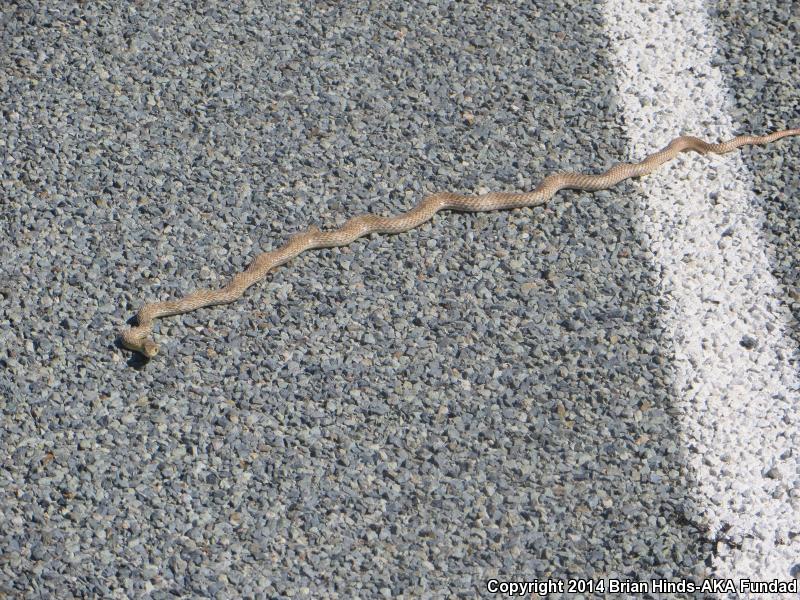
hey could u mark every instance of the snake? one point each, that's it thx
(139, 337)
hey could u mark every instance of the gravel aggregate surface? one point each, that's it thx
(488, 396)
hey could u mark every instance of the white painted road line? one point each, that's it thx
(739, 404)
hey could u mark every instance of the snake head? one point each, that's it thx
(149, 348)
(139, 342)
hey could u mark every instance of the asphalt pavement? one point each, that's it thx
(490, 397)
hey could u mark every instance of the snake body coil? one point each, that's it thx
(138, 338)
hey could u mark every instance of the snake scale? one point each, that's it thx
(139, 339)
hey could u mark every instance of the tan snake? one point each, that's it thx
(138, 338)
